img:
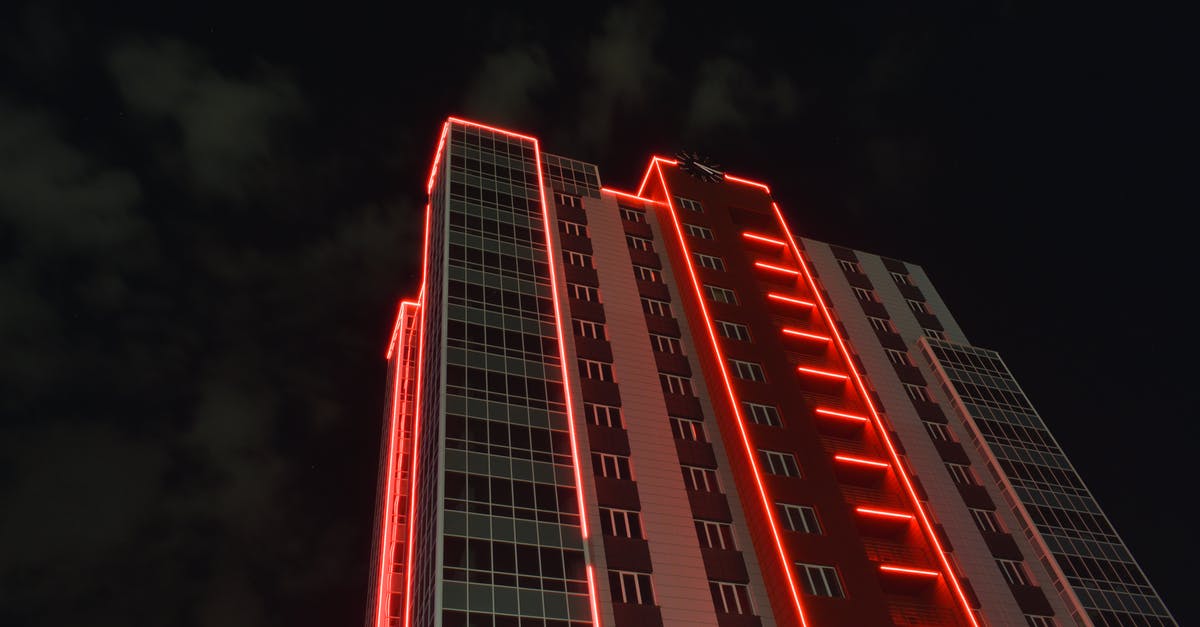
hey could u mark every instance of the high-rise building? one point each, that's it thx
(660, 407)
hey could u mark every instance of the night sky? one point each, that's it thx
(208, 216)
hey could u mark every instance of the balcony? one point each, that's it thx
(929, 411)
(586, 310)
(627, 554)
(657, 291)
(952, 452)
(577, 243)
(1002, 545)
(683, 406)
(640, 615)
(693, 453)
(608, 440)
(639, 229)
(909, 374)
(738, 620)
(662, 325)
(976, 496)
(725, 565)
(583, 276)
(710, 506)
(911, 292)
(592, 348)
(571, 214)
(671, 363)
(617, 493)
(603, 392)
(645, 258)
(873, 309)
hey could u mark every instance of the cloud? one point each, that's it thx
(728, 94)
(621, 68)
(226, 124)
(504, 89)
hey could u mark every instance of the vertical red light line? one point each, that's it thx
(733, 400)
(861, 387)
(384, 578)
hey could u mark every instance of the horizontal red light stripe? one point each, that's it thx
(775, 268)
(883, 513)
(789, 300)
(864, 462)
(738, 179)
(910, 571)
(632, 196)
(807, 336)
(763, 238)
(838, 414)
(822, 373)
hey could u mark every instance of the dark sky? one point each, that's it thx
(208, 215)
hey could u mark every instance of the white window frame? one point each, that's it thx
(761, 414)
(568, 200)
(655, 307)
(596, 370)
(779, 463)
(986, 520)
(612, 466)
(603, 415)
(864, 295)
(799, 518)
(583, 292)
(1033, 620)
(918, 306)
(902, 279)
(579, 259)
(1014, 572)
(646, 273)
(719, 294)
(639, 243)
(938, 431)
(698, 232)
(675, 384)
(709, 261)
(962, 474)
(850, 266)
(589, 328)
(666, 344)
(688, 429)
(748, 371)
(691, 205)
(934, 333)
(622, 523)
(642, 586)
(733, 331)
(714, 534)
(899, 358)
(731, 598)
(633, 215)
(882, 324)
(700, 479)
(573, 228)
(917, 392)
(821, 581)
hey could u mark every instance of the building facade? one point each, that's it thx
(660, 407)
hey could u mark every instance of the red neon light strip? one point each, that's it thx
(910, 571)
(566, 380)
(883, 513)
(733, 400)
(738, 179)
(837, 414)
(654, 161)
(775, 268)
(807, 336)
(878, 422)
(631, 196)
(822, 373)
(763, 238)
(789, 300)
(396, 327)
(863, 462)
(437, 158)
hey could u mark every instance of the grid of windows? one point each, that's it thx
(733, 331)
(639, 243)
(688, 429)
(567, 200)
(747, 370)
(821, 581)
(698, 232)
(762, 414)
(715, 535)
(611, 466)
(656, 307)
(675, 384)
(731, 598)
(800, 518)
(633, 215)
(603, 415)
(595, 370)
(699, 479)
(588, 328)
(630, 587)
(709, 261)
(721, 295)
(666, 344)
(647, 274)
(621, 523)
(779, 463)
(689, 204)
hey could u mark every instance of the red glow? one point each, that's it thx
(738, 179)
(880, 428)
(822, 373)
(630, 196)
(437, 157)
(883, 513)
(763, 238)
(396, 327)
(860, 461)
(837, 414)
(751, 453)
(910, 571)
(789, 300)
(807, 336)
(654, 161)
(775, 268)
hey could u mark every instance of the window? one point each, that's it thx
(800, 518)
(901, 279)
(935, 334)
(866, 296)
(647, 274)
(731, 598)
(715, 535)
(733, 331)
(699, 479)
(688, 429)
(1014, 572)
(939, 431)
(762, 414)
(573, 228)
(917, 306)
(821, 581)
(621, 523)
(675, 384)
(611, 466)
(567, 200)
(633, 215)
(708, 261)
(721, 295)
(656, 307)
(639, 243)
(603, 415)
(961, 474)
(850, 266)
(747, 370)
(698, 232)
(587, 328)
(882, 324)
(778, 463)
(629, 587)
(899, 358)
(595, 370)
(579, 259)
(1032, 620)
(917, 392)
(666, 344)
(986, 520)
(583, 292)
(689, 204)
